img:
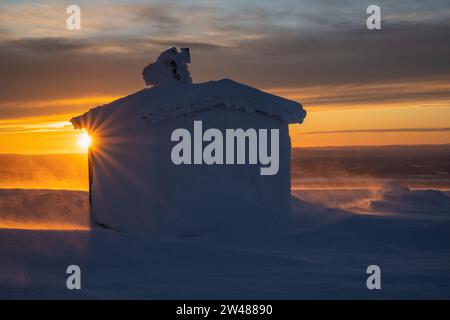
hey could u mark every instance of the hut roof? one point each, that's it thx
(157, 104)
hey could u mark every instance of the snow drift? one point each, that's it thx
(398, 199)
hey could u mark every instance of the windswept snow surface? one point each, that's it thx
(398, 199)
(44, 209)
(320, 253)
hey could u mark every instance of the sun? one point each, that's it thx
(84, 140)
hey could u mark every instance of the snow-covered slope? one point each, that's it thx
(328, 259)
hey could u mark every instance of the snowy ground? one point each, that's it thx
(320, 253)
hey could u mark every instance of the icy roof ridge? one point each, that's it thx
(164, 112)
(159, 104)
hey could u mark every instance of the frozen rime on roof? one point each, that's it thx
(172, 95)
(170, 68)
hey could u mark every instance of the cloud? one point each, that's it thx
(267, 45)
(185, 44)
(35, 128)
(66, 107)
(345, 56)
(410, 94)
(45, 45)
(403, 130)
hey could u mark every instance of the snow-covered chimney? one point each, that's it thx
(169, 69)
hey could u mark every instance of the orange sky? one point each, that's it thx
(383, 125)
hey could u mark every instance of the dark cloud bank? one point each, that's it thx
(343, 53)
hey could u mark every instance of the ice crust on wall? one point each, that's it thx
(137, 188)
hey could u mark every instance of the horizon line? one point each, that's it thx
(310, 147)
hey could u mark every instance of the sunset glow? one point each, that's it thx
(32, 225)
(84, 140)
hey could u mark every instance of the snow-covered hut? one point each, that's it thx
(135, 185)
